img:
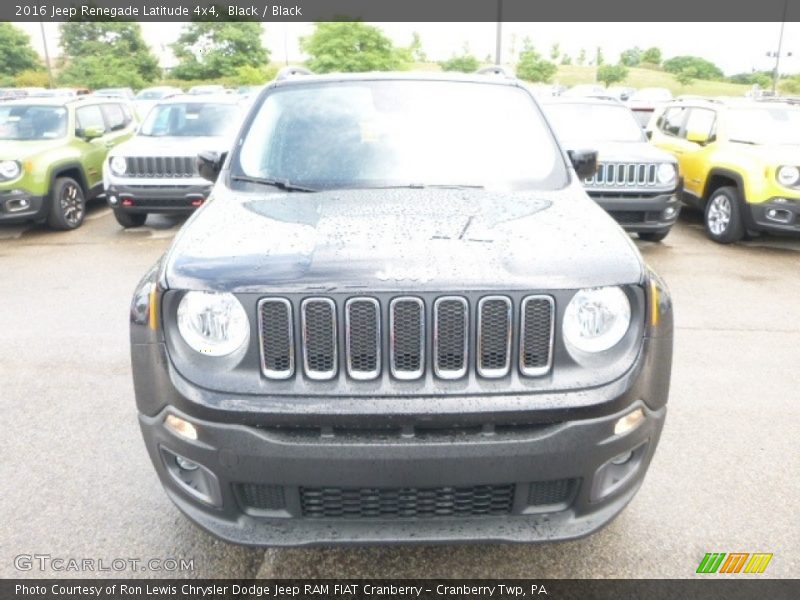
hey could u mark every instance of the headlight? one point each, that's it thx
(788, 176)
(597, 319)
(212, 323)
(9, 169)
(665, 173)
(119, 165)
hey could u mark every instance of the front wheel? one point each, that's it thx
(128, 220)
(653, 236)
(67, 205)
(723, 216)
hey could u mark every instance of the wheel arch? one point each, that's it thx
(73, 170)
(718, 178)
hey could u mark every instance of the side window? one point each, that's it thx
(670, 122)
(702, 121)
(126, 109)
(115, 117)
(88, 116)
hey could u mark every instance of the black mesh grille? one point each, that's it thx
(161, 166)
(407, 350)
(365, 503)
(320, 336)
(537, 316)
(494, 335)
(162, 202)
(276, 337)
(260, 496)
(451, 335)
(542, 493)
(363, 331)
(628, 217)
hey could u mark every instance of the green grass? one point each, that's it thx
(570, 75)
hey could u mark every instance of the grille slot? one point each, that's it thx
(160, 166)
(370, 503)
(623, 174)
(407, 343)
(363, 343)
(494, 336)
(536, 335)
(557, 491)
(277, 338)
(261, 496)
(318, 316)
(450, 337)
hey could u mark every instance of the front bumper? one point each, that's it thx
(143, 198)
(17, 205)
(656, 214)
(776, 217)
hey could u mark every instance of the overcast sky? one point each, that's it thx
(735, 47)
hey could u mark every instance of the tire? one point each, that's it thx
(653, 236)
(67, 205)
(128, 220)
(723, 216)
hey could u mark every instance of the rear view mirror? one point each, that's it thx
(209, 164)
(697, 137)
(584, 161)
(93, 132)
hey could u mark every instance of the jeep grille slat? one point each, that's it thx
(160, 166)
(277, 338)
(407, 337)
(363, 341)
(494, 336)
(623, 175)
(536, 335)
(320, 347)
(450, 337)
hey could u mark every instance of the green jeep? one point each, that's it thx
(51, 155)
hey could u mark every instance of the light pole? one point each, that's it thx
(775, 73)
(46, 55)
(498, 48)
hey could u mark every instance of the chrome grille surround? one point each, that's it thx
(536, 341)
(624, 175)
(494, 336)
(271, 363)
(450, 355)
(362, 354)
(406, 354)
(320, 345)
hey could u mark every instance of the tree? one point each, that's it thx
(609, 74)
(652, 56)
(686, 76)
(631, 57)
(598, 56)
(250, 75)
(466, 63)
(555, 51)
(208, 50)
(566, 59)
(16, 52)
(351, 47)
(760, 78)
(106, 54)
(32, 78)
(703, 68)
(582, 57)
(417, 53)
(532, 67)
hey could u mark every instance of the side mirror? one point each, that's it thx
(649, 134)
(92, 133)
(209, 164)
(697, 137)
(584, 161)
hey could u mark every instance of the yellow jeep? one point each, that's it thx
(739, 160)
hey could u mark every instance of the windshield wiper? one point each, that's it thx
(280, 184)
(745, 142)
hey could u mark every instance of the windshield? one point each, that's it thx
(651, 95)
(29, 122)
(596, 122)
(151, 94)
(764, 125)
(191, 119)
(385, 133)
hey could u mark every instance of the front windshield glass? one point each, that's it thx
(151, 94)
(594, 122)
(191, 119)
(764, 125)
(30, 122)
(403, 133)
(651, 95)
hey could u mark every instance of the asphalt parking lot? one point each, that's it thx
(77, 483)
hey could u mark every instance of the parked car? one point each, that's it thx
(155, 172)
(11, 93)
(149, 97)
(199, 90)
(52, 153)
(739, 160)
(125, 93)
(645, 101)
(400, 318)
(635, 181)
(584, 89)
(620, 92)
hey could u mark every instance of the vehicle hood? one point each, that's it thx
(629, 152)
(772, 154)
(400, 240)
(142, 145)
(24, 149)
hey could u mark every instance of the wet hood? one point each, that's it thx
(142, 145)
(24, 149)
(630, 152)
(407, 239)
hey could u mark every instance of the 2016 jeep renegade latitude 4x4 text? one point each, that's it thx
(399, 318)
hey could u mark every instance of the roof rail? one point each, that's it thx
(494, 70)
(690, 97)
(291, 71)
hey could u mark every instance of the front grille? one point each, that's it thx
(623, 174)
(162, 202)
(457, 341)
(366, 503)
(161, 166)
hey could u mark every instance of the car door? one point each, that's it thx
(119, 123)
(698, 137)
(94, 151)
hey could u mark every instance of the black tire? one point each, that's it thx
(723, 216)
(653, 236)
(67, 205)
(128, 220)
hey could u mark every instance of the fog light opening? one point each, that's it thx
(780, 215)
(629, 422)
(182, 427)
(186, 464)
(112, 200)
(669, 212)
(617, 460)
(17, 205)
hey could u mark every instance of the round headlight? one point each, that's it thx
(788, 176)
(597, 319)
(213, 323)
(119, 165)
(9, 169)
(665, 173)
